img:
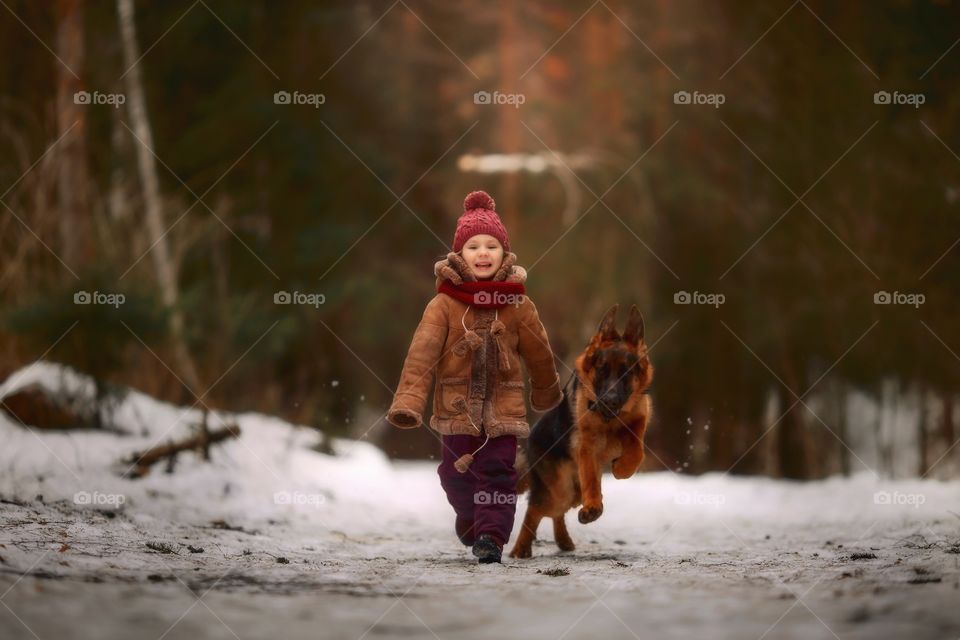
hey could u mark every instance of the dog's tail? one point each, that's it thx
(523, 471)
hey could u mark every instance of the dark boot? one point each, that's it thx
(487, 549)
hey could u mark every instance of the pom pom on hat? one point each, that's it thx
(479, 200)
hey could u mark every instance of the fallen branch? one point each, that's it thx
(201, 442)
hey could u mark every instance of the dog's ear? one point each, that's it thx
(607, 331)
(633, 334)
(608, 326)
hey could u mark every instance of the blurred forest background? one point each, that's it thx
(206, 193)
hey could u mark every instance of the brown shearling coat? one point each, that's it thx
(480, 388)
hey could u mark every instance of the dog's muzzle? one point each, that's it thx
(606, 410)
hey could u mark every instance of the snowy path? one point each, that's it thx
(649, 570)
(365, 548)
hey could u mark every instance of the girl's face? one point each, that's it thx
(483, 254)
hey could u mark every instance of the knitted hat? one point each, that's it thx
(479, 217)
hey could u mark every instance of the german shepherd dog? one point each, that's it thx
(601, 421)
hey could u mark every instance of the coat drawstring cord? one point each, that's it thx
(463, 462)
(471, 341)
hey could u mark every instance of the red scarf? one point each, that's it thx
(485, 294)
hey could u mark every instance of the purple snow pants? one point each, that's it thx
(484, 498)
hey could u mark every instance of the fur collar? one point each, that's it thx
(455, 269)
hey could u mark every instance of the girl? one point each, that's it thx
(473, 334)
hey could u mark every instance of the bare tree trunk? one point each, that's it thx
(947, 425)
(76, 230)
(842, 427)
(119, 206)
(509, 121)
(166, 270)
(791, 442)
(922, 440)
(888, 414)
(794, 444)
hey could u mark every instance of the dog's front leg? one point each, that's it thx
(589, 472)
(631, 442)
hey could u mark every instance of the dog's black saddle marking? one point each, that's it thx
(550, 436)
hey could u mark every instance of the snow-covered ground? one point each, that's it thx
(275, 538)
